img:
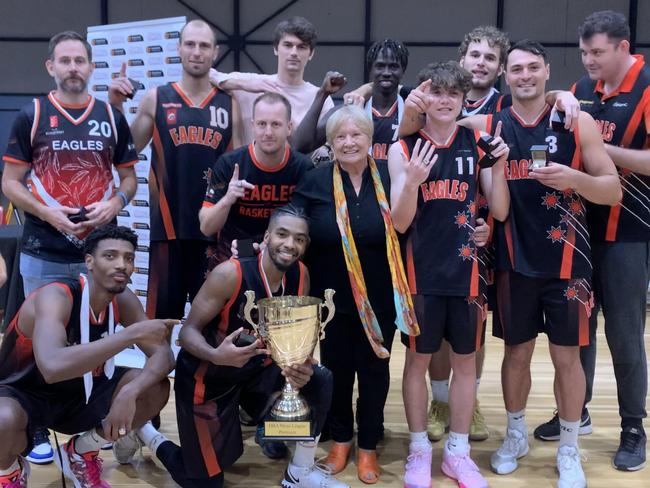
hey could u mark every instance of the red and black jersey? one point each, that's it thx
(187, 140)
(249, 216)
(545, 234)
(71, 151)
(385, 132)
(191, 371)
(623, 117)
(17, 363)
(492, 103)
(441, 257)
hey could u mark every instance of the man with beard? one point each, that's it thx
(66, 145)
(217, 370)
(57, 368)
(192, 124)
(247, 184)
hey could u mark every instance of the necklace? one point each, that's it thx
(265, 280)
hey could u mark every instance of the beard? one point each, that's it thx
(77, 88)
(116, 289)
(280, 265)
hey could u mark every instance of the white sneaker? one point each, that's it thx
(570, 468)
(315, 476)
(515, 446)
(125, 447)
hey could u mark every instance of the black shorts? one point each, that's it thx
(177, 270)
(458, 320)
(63, 412)
(526, 306)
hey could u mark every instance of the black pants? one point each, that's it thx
(346, 352)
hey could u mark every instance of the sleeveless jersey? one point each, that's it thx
(490, 104)
(187, 141)
(624, 119)
(385, 132)
(17, 363)
(441, 257)
(232, 318)
(71, 151)
(545, 234)
(249, 216)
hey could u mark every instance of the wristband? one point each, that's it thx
(123, 197)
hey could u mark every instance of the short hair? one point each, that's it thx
(398, 49)
(493, 36)
(68, 36)
(288, 210)
(109, 231)
(532, 47)
(272, 97)
(349, 112)
(296, 26)
(448, 75)
(614, 24)
(199, 22)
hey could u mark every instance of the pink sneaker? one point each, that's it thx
(462, 469)
(18, 478)
(84, 470)
(417, 473)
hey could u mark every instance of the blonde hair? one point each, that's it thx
(349, 112)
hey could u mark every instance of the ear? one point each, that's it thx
(88, 258)
(49, 66)
(275, 50)
(216, 54)
(500, 70)
(548, 71)
(290, 127)
(311, 54)
(461, 61)
(624, 45)
(267, 236)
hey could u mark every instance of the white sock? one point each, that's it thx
(419, 441)
(89, 441)
(440, 390)
(517, 420)
(10, 469)
(305, 453)
(151, 437)
(478, 383)
(569, 433)
(458, 444)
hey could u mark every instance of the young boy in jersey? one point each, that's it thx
(434, 198)
(57, 368)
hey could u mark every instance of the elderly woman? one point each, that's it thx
(354, 250)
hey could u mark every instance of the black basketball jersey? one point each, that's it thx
(249, 216)
(232, 318)
(385, 132)
(187, 141)
(71, 151)
(545, 234)
(17, 363)
(623, 118)
(441, 257)
(490, 104)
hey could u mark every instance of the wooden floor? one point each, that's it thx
(537, 469)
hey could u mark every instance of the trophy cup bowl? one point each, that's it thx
(290, 327)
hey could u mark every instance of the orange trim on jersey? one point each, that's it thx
(127, 164)
(12, 160)
(508, 233)
(569, 245)
(479, 324)
(164, 206)
(635, 120)
(207, 204)
(628, 81)
(90, 103)
(187, 99)
(37, 117)
(573, 89)
(499, 102)
(474, 277)
(583, 325)
(534, 123)
(301, 278)
(202, 426)
(266, 169)
(405, 148)
(410, 267)
(390, 112)
(450, 141)
(612, 223)
(489, 118)
(225, 312)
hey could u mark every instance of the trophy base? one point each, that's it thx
(288, 430)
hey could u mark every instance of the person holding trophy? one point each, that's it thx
(354, 250)
(223, 365)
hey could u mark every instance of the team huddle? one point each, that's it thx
(424, 208)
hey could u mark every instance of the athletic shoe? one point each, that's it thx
(630, 455)
(417, 472)
(550, 431)
(570, 468)
(315, 476)
(42, 452)
(84, 470)
(478, 430)
(515, 446)
(18, 478)
(125, 447)
(437, 420)
(271, 449)
(462, 469)
(107, 447)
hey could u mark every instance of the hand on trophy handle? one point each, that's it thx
(329, 304)
(298, 375)
(248, 308)
(229, 354)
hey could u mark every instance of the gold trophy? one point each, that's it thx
(290, 327)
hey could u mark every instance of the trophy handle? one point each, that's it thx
(329, 304)
(249, 307)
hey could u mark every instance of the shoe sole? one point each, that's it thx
(460, 484)
(630, 468)
(479, 437)
(516, 463)
(436, 438)
(63, 463)
(585, 430)
(42, 461)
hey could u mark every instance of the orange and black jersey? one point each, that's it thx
(492, 103)
(545, 235)
(187, 140)
(17, 363)
(70, 151)
(385, 132)
(623, 117)
(191, 371)
(249, 216)
(441, 257)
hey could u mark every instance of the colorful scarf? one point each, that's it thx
(405, 314)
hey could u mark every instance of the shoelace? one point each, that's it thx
(477, 417)
(568, 459)
(416, 461)
(511, 443)
(41, 437)
(630, 441)
(13, 480)
(464, 462)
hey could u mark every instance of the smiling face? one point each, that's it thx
(482, 61)
(602, 57)
(445, 104)
(271, 126)
(386, 72)
(197, 49)
(526, 74)
(111, 264)
(70, 67)
(350, 144)
(286, 240)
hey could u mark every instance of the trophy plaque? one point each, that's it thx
(290, 327)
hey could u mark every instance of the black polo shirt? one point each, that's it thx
(325, 258)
